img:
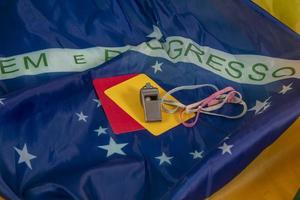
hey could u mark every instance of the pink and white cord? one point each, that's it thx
(213, 102)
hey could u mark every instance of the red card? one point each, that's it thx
(119, 120)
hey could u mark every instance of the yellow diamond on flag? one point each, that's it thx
(288, 12)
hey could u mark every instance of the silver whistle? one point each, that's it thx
(151, 103)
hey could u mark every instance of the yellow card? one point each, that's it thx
(127, 96)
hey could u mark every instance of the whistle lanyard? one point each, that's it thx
(213, 102)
